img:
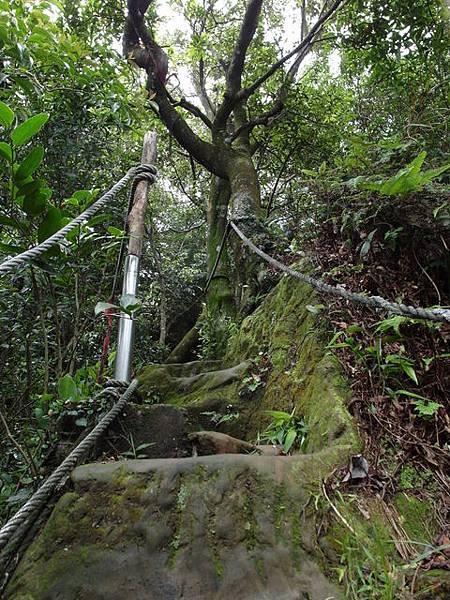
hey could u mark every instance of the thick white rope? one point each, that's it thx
(41, 496)
(431, 314)
(136, 173)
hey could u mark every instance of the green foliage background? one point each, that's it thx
(361, 149)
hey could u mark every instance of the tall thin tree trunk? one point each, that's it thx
(57, 326)
(162, 313)
(75, 326)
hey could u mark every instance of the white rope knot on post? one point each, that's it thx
(145, 172)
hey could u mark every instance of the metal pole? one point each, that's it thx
(126, 323)
(136, 228)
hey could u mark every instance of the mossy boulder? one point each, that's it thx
(195, 528)
(228, 525)
(288, 331)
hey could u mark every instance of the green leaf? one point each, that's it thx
(323, 167)
(433, 173)
(6, 151)
(426, 410)
(81, 196)
(10, 249)
(410, 395)
(6, 115)
(101, 307)
(289, 440)
(415, 166)
(98, 219)
(392, 323)
(309, 172)
(367, 243)
(115, 231)
(3, 33)
(32, 161)
(128, 301)
(277, 414)
(67, 389)
(409, 370)
(372, 186)
(50, 224)
(29, 188)
(35, 204)
(395, 185)
(25, 131)
(8, 221)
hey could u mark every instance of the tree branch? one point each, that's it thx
(302, 49)
(270, 116)
(277, 181)
(152, 58)
(194, 110)
(264, 119)
(193, 200)
(200, 88)
(248, 29)
(188, 229)
(234, 72)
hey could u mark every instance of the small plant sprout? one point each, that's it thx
(424, 407)
(286, 429)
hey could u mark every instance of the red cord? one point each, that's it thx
(106, 342)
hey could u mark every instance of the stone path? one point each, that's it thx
(199, 528)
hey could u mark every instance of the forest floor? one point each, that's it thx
(398, 368)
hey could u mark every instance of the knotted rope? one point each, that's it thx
(136, 174)
(40, 497)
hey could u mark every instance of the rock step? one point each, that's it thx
(197, 528)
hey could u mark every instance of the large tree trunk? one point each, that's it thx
(226, 151)
(246, 212)
(220, 293)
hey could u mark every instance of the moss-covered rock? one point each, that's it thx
(232, 525)
(194, 528)
(287, 330)
(416, 517)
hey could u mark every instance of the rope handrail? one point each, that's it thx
(37, 500)
(12, 533)
(431, 314)
(137, 173)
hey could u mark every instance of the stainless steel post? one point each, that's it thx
(124, 355)
(136, 231)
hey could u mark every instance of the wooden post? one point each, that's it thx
(136, 219)
(136, 229)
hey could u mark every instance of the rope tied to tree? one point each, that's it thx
(139, 173)
(28, 511)
(431, 314)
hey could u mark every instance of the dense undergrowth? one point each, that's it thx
(399, 366)
(399, 373)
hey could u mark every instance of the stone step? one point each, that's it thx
(198, 528)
